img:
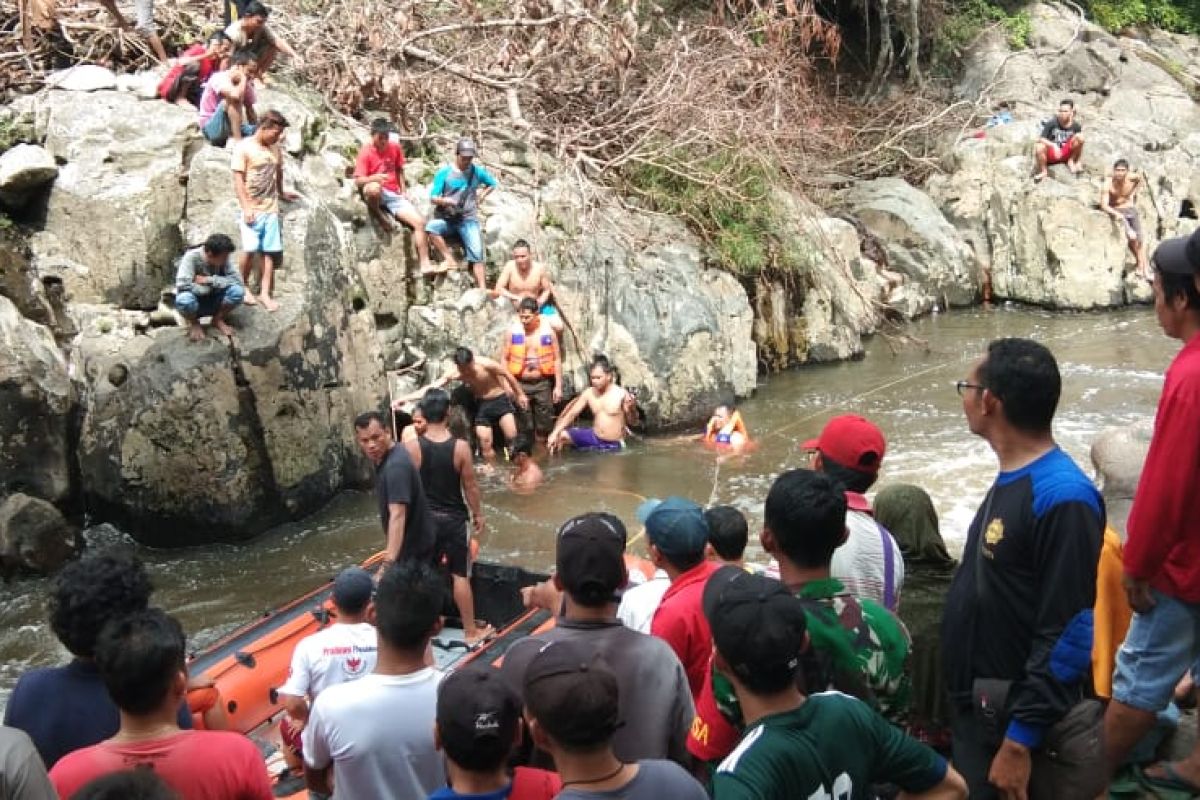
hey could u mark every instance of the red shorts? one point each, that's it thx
(290, 736)
(1058, 154)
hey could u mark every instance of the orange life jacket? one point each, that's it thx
(538, 345)
(725, 433)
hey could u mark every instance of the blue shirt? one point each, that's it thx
(446, 793)
(450, 181)
(64, 709)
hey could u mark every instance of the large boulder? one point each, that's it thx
(112, 223)
(36, 405)
(34, 536)
(920, 242)
(186, 442)
(1048, 243)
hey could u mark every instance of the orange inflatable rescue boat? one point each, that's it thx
(246, 667)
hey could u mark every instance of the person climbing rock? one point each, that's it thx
(1117, 197)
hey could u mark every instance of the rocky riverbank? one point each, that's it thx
(111, 410)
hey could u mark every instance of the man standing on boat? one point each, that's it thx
(344, 651)
(448, 475)
(403, 509)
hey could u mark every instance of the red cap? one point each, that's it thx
(852, 441)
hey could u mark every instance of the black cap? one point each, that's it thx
(352, 589)
(1178, 256)
(590, 556)
(758, 626)
(382, 125)
(477, 713)
(572, 693)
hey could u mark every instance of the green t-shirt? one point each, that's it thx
(833, 747)
(856, 645)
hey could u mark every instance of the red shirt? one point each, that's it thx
(712, 736)
(680, 622)
(199, 765)
(371, 162)
(1163, 544)
(534, 784)
(205, 65)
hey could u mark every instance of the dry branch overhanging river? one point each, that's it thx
(1112, 368)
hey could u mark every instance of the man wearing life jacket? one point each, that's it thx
(531, 355)
(726, 429)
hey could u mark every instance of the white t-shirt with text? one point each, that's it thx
(338, 654)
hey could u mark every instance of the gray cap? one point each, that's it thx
(352, 589)
(465, 146)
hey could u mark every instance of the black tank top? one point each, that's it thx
(443, 488)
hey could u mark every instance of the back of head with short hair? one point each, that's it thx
(242, 57)
(218, 244)
(140, 783)
(408, 603)
(89, 592)
(273, 119)
(139, 656)
(851, 480)
(435, 405)
(523, 444)
(806, 512)
(1024, 376)
(463, 356)
(527, 304)
(728, 532)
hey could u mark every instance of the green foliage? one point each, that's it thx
(1181, 16)
(14, 129)
(965, 20)
(739, 222)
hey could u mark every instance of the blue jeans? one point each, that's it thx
(217, 129)
(194, 306)
(1159, 648)
(467, 230)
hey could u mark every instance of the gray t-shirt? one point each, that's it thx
(656, 704)
(655, 780)
(193, 263)
(22, 776)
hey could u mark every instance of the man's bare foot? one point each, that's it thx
(223, 327)
(196, 332)
(250, 299)
(479, 635)
(1075, 167)
(1041, 176)
(269, 304)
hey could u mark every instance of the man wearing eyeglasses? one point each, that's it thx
(1018, 616)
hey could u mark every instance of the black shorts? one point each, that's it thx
(452, 543)
(493, 410)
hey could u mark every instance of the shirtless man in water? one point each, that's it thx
(1117, 200)
(523, 277)
(613, 409)
(493, 389)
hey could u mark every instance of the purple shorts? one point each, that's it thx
(586, 439)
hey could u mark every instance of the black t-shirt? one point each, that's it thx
(397, 481)
(1056, 133)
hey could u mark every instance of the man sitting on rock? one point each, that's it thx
(456, 195)
(1117, 200)
(227, 102)
(184, 82)
(379, 176)
(1060, 143)
(251, 34)
(208, 284)
(523, 277)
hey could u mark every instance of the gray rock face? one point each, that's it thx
(36, 401)
(1048, 243)
(112, 223)
(82, 78)
(24, 169)
(1118, 455)
(34, 536)
(204, 442)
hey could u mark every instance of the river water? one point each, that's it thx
(1112, 368)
